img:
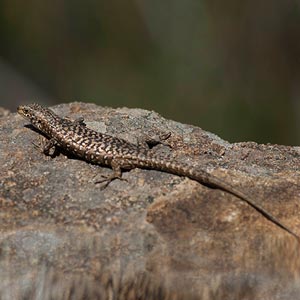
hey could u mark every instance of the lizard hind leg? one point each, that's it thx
(149, 142)
(107, 179)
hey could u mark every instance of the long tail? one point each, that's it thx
(212, 181)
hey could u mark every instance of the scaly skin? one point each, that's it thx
(106, 150)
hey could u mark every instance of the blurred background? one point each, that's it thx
(231, 68)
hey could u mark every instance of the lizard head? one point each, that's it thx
(37, 115)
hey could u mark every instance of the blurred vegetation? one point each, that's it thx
(231, 68)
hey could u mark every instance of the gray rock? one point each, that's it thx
(156, 234)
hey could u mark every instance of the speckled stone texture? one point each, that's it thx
(155, 235)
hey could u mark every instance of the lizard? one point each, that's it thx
(76, 138)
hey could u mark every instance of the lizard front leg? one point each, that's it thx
(77, 121)
(49, 144)
(44, 145)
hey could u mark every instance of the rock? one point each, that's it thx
(154, 236)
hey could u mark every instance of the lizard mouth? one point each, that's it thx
(21, 111)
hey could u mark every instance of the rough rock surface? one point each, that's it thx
(157, 235)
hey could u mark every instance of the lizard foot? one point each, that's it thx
(107, 179)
